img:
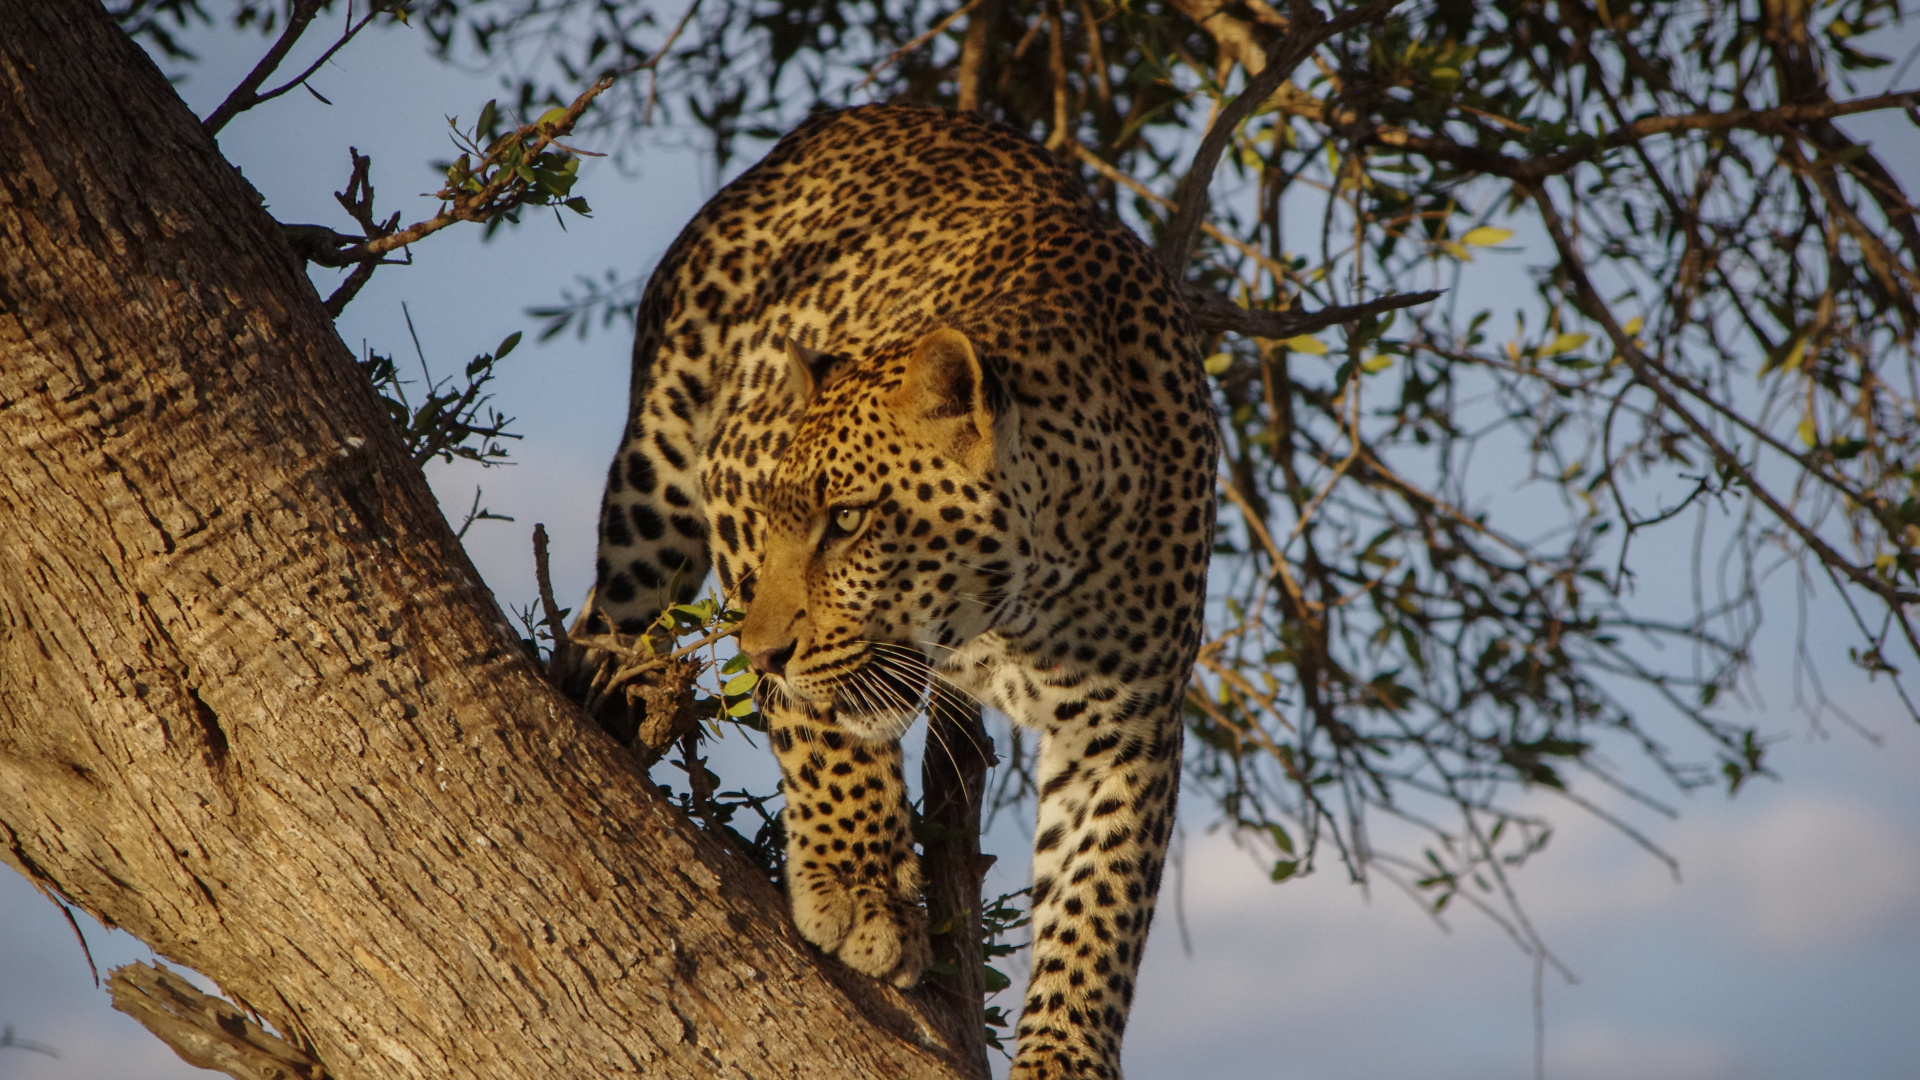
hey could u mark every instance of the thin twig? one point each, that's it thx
(1533, 170)
(10, 1041)
(242, 98)
(245, 96)
(1105, 168)
(1354, 449)
(650, 64)
(938, 28)
(75, 923)
(1265, 537)
(352, 30)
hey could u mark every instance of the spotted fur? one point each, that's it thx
(942, 424)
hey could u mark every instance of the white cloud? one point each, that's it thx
(1312, 980)
(1812, 872)
(1599, 1050)
(1315, 951)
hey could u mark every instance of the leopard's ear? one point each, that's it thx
(946, 388)
(804, 367)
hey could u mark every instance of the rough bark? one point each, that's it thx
(255, 705)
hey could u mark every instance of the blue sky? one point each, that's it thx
(1789, 947)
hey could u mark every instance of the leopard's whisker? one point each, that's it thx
(933, 730)
(939, 686)
(956, 694)
(855, 688)
(881, 664)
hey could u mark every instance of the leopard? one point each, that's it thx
(940, 423)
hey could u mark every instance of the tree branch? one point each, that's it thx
(498, 196)
(207, 1031)
(1213, 313)
(1308, 31)
(299, 15)
(974, 54)
(246, 96)
(1532, 170)
(953, 774)
(562, 659)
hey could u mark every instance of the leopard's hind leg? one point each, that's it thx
(653, 521)
(1108, 782)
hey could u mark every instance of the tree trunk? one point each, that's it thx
(256, 706)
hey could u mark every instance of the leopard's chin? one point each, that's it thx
(876, 701)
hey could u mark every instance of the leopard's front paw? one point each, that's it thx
(871, 932)
(888, 941)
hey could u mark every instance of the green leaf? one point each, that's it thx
(1376, 363)
(1218, 363)
(738, 709)
(996, 981)
(1486, 236)
(578, 205)
(1306, 343)
(487, 113)
(506, 345)
(1280, 838)
(1285, 869)
(741, 683)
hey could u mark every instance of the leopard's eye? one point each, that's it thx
(846, 520)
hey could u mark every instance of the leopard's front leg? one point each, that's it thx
(852, 877)
(1108, 783)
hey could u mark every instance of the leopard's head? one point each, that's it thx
(891, 537)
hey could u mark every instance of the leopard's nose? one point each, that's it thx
(772, 661)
